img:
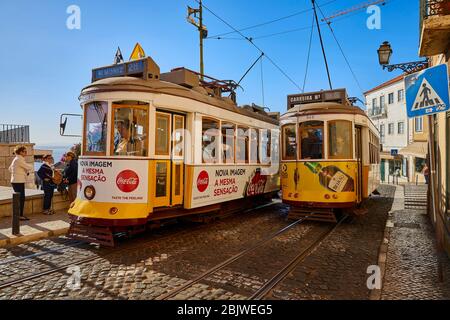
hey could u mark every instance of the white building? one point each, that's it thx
(386, 107)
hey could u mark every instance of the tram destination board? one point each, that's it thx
(338, 95)
(120, 70)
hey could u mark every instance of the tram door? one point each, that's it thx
(358, 155)
(169, 166)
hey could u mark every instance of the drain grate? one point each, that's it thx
(409, 225)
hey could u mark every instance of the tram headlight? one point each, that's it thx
(113, 211)
(89, 192)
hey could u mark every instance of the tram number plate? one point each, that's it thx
(309, 117)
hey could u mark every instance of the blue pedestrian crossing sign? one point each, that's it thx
(427, 91)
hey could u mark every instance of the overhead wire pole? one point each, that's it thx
(202, 67)
(203, 32)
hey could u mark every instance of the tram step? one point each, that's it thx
(99, 235)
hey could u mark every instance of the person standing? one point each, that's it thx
(45, 172)
(20, 170)
(71, 175)
(426, 173)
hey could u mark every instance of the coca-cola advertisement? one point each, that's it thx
(215, 184)
(127, 181)
(256, 184)
(114, 181)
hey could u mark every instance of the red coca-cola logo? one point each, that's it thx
(202, 181)
(127, 181)
(256, 185)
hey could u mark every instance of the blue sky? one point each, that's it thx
(44, 65)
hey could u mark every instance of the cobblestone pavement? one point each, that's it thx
(158, 263)
(338, 268)
(412, 260)
(135, 274)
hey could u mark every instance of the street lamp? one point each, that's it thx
(384, 55)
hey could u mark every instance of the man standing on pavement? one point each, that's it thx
(71, 175)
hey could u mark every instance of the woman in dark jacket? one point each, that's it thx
(71, 175)
(45, 172)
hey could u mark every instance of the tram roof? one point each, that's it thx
(322, 108)
(133, 84)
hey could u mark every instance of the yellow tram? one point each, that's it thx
(330, 155)
(164, 145)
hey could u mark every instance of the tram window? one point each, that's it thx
(130, 131)
(177, 179)
(228, 131)
(311, 134)
(161, 179)
(178, 143)
(242, 145)
(210, 140)
(162, 134)
(340, 140)
(254, 146)
(266, 145)
(96, 115)
(289, 142)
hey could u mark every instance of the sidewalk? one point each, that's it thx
(38, 227)
(408, 256)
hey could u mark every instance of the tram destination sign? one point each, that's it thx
(131, 68)
(338, 95)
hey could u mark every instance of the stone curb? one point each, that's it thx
(32, 237)
(375, 294)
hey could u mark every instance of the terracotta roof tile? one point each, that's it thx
(386, 84)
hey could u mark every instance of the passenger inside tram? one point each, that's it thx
(130, 134)
(122, 141)
(312, 143)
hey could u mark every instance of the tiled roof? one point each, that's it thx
(386, 84)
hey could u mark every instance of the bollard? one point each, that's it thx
(16, 214)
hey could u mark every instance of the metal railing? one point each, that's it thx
(429, 8)
(13, 133)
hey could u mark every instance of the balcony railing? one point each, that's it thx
(431, 8)
(377, 112)
(12, 133)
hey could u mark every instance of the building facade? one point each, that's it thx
(435, 45)
(403, 141)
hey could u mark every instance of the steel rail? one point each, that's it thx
(227, 262)
(110, 252)
(283, 273)
(41, 253)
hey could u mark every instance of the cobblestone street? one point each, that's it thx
(154, 264)
(412, 261)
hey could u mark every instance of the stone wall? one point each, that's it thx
(34, 205)
(7, 156)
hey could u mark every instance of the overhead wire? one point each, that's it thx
(309, 53)
(264, 36)
(251, 41)
(269, 22)
(342, 52)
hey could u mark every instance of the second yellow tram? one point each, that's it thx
(330, 155)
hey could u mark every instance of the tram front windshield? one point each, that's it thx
(129, 129)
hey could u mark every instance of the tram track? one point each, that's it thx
(229, 261)
(270, 285)
(45, 252)
(109, 252)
